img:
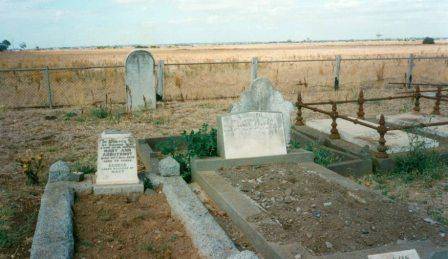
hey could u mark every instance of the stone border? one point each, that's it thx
(240, 207)
(207, 236)
(213, 163)
(353, 165)
(53, 235)
(378, 164)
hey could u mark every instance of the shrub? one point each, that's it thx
(419, 163)
(69, 115)
(99, 112)
(201, 143)
(322, 156)
(31, 168)
(428, 40)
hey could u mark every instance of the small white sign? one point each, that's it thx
(117, 159)
(406, 254)
(251, 134)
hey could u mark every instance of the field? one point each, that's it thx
(71, 133)
(190, 82)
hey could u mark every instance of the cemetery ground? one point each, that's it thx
(71, 135)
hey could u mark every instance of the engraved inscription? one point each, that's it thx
(117, 155)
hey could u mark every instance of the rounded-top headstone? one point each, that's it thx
(169, 167)
(261, 96)
(59, 167)
(140, 81)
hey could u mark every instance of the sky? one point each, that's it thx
(51, 23)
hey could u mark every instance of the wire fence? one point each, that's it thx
(84, 86)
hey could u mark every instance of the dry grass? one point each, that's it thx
(86, 87)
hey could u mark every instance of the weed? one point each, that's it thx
(419, 163)
(322, 156)
(69, 115)
(147, 184)
(85, 168)
(31, 168)
(437, 214)
(104, 215)
(199, 144)
(99, 112)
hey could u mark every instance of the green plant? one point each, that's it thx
(147, 184)
(99, 112)
(31, 168)
(322, 156)
(201, 143)
(69, 115)
(419, 163)
(86, 168)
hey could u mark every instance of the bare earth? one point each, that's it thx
(117, 227)
(324, 217)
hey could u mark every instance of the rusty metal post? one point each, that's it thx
(361, 105)
(48, 83)
(382, 130)
(299, 119)
(436, 110)
(417, 96)
(334, 115)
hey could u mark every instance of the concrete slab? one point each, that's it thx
(396, 140)
(416, 118)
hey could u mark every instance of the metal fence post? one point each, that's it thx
(337, 68)
(409, 72)
(47, 82)
(160, 78)
(254, 69)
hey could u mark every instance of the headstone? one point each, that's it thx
(251, 134)
(140, 81)
(406, 254)
(261, 96)
(169, 167)
(117, 164)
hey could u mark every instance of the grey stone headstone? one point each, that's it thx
(59, 167)
(261, 96)
(60, 171)
(246, 254)
(140, 81)
(169, 167)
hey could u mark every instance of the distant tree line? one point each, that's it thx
(5, 44)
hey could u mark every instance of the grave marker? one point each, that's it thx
(117, 163)
(262, 97)
(251, 134)
(140, 81)
(406, 254)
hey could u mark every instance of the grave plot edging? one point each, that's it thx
(355, 165)
(53, 236)
(239, 208)
(207, 236)
(213, 163)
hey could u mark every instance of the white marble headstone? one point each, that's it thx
(117, 159)
(251, 134)
(140, 81)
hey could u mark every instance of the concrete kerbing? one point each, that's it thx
(296, 156)
(53, 236)
(208, 237)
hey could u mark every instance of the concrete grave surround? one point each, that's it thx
(261, 96)
(140, 81)
(417, 118)
(251, 134)
(408, 254)
(117, 159)
(396, 140)
(169, 167)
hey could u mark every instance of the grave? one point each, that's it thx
(418, 118)
(397, 141)
(140, 81)
(251, 134)
(117, 164)
(261, 96)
